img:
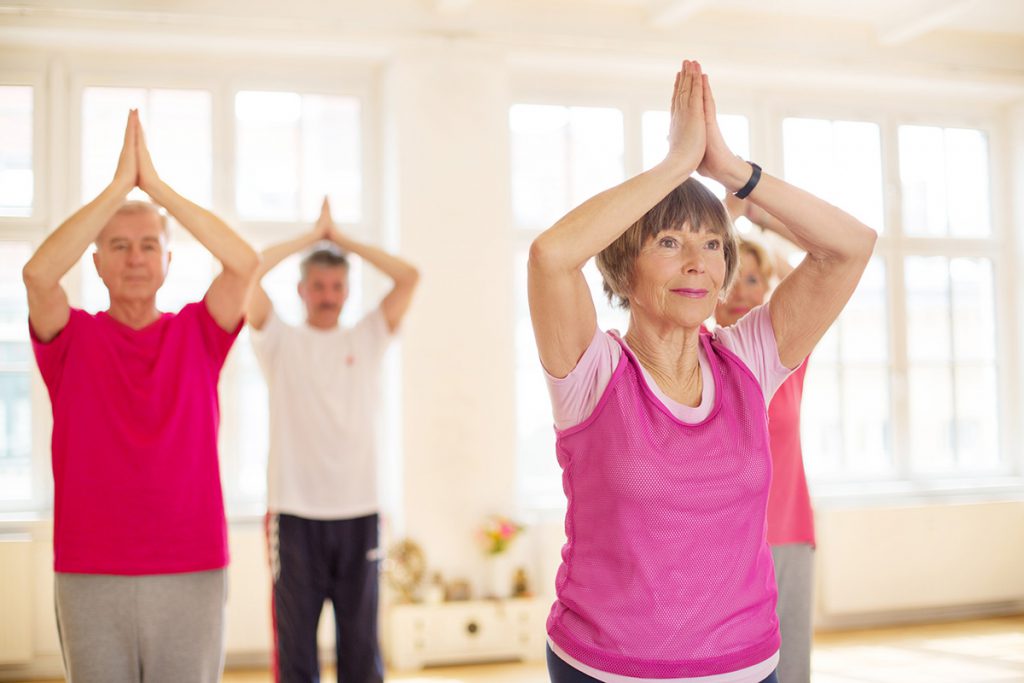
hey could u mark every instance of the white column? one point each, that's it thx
(447, 180)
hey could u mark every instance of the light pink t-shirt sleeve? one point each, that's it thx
(574, 397)
(752, 339)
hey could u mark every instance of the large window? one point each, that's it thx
(15, 376)
(17, 211)
(846, 419)
(16, 176)
(931, 330)
(177, 125)
(944, 182)
(951, 304)
(290, 149)
(561, 156)
(904, 386)
(178, 129)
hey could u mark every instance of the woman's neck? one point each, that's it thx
(672, 359)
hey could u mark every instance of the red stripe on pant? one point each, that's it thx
(275, 664)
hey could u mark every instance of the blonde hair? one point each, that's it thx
(760, 254)
(690, 204)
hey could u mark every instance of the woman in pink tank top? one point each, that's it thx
(666, 574)
(790, 517)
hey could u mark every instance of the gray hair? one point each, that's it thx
(325, 257)
(136, 206)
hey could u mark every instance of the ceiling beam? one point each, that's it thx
(451, 6)
(669, 13)
(924, 19)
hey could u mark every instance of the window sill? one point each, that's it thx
(835, 495)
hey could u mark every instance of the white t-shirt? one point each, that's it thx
(324, 386)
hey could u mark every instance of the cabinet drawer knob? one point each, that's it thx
(472, 628)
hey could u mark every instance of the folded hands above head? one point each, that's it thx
(695, 139)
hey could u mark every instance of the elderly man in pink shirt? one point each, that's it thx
(140, 539)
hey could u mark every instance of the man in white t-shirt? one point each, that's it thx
(323, 384)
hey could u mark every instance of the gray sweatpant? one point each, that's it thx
(794, 574)
(162, 628)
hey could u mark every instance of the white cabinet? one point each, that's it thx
(470, 631)
(16, 587)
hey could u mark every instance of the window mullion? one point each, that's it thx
(899, 364)
(892, 249)
(633, 146)
(954, 428)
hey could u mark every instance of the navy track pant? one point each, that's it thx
(314, 560)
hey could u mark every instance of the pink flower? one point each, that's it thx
(497, 533)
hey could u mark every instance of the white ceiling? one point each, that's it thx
(1005, 17)
(982, 16)
(973, 40)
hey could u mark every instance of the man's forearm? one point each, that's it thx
(65, 246)
(396, 268)
(227, 246)
(275, 253)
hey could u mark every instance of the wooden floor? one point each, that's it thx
(982, 651)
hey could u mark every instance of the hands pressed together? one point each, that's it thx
(324, 228)
(694, 139)
(135, 165)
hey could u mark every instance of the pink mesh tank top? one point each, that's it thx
(666, 572)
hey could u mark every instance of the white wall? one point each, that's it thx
(448, 111)
(893, 562)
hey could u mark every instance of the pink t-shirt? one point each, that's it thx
(135, 468)
(790, 518)
(751, 338)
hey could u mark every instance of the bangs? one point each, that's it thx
(690, 207)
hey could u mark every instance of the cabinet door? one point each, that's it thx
(474, 628)
(529, 629)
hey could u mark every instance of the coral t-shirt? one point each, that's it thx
(790, 517)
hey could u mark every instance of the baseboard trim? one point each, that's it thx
(850, 622)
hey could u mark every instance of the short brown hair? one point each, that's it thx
(689, 204)
(325, 257)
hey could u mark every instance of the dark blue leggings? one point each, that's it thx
(560, 672)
